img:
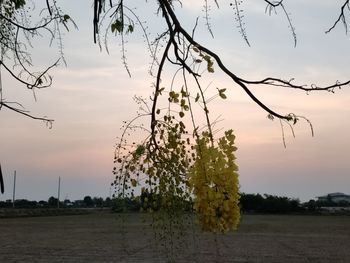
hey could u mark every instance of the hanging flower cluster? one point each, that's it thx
(214, 180)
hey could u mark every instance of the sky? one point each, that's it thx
(92, 96)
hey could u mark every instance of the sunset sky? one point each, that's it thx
(92, 96)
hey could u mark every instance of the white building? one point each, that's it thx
(335, 197)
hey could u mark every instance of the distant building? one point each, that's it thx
(334, 197)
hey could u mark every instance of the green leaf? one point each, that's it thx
(19, 3)
(113, 27)
(66, 18)
(130, 29)
(206, 57)
(133, 182)
(174, 97)
(183, 93)
(183, 103)
(195, 49)
(140, 150)
(222, 94)
(210, 66)
(270, 117)
(160, 91)
(197, 98)
(117, 26)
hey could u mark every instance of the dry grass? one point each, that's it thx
(102, 238)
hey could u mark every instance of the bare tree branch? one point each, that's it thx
(25, 113)
(175, 36)
(341, 17)
(16, 33)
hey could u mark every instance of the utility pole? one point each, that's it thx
(14, 190)
(58, 193)
(2, 188)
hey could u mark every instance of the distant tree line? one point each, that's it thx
(281, 205)
(254, 203)
(147, 202)
(250, 203)
(86, 202)
(269, 204)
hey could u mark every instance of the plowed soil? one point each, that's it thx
(104, 238)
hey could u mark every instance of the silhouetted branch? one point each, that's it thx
(36, 28)
(271, 6)
(26, 113)
(341, 17)
(38, 80)
(239, 19)
(182, 50)
(16, 33)
(178, 29)
(274, 3)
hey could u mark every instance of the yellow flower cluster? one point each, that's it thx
(214, 180)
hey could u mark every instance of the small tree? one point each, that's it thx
(52, 202)
(108, 202)
(88, 201)
(98, 201)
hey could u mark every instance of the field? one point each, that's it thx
(103, 238)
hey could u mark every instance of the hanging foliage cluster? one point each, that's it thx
(174, 169)
(179, 166)
(160, 172)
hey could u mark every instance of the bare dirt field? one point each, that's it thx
(103, 238)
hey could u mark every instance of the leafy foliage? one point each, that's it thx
(172, 166)
(269, 204)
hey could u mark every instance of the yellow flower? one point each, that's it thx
(214, 181)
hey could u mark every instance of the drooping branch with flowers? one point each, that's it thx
(179, 159)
